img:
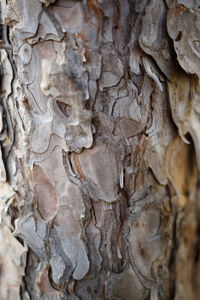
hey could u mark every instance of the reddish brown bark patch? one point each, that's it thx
(46, 195)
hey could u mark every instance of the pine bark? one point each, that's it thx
(99, 149)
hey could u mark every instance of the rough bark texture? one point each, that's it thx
(100, 149)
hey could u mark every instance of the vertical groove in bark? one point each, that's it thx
(98, 185)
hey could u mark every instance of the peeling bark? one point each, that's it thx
(99, 150)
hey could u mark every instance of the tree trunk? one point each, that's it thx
(100, 149)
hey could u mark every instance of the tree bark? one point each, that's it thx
(100, 149)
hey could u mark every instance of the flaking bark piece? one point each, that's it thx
(67, 95)
(100, 171)
(183, 25)
(46, 196)
(68, 232)
(69, 15)
(153, 39)
(26, 229)
(47, 29)
(184, 99)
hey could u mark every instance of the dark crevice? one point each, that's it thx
(179, 36)
(172, 260)
(197, 246)
(65, 108)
